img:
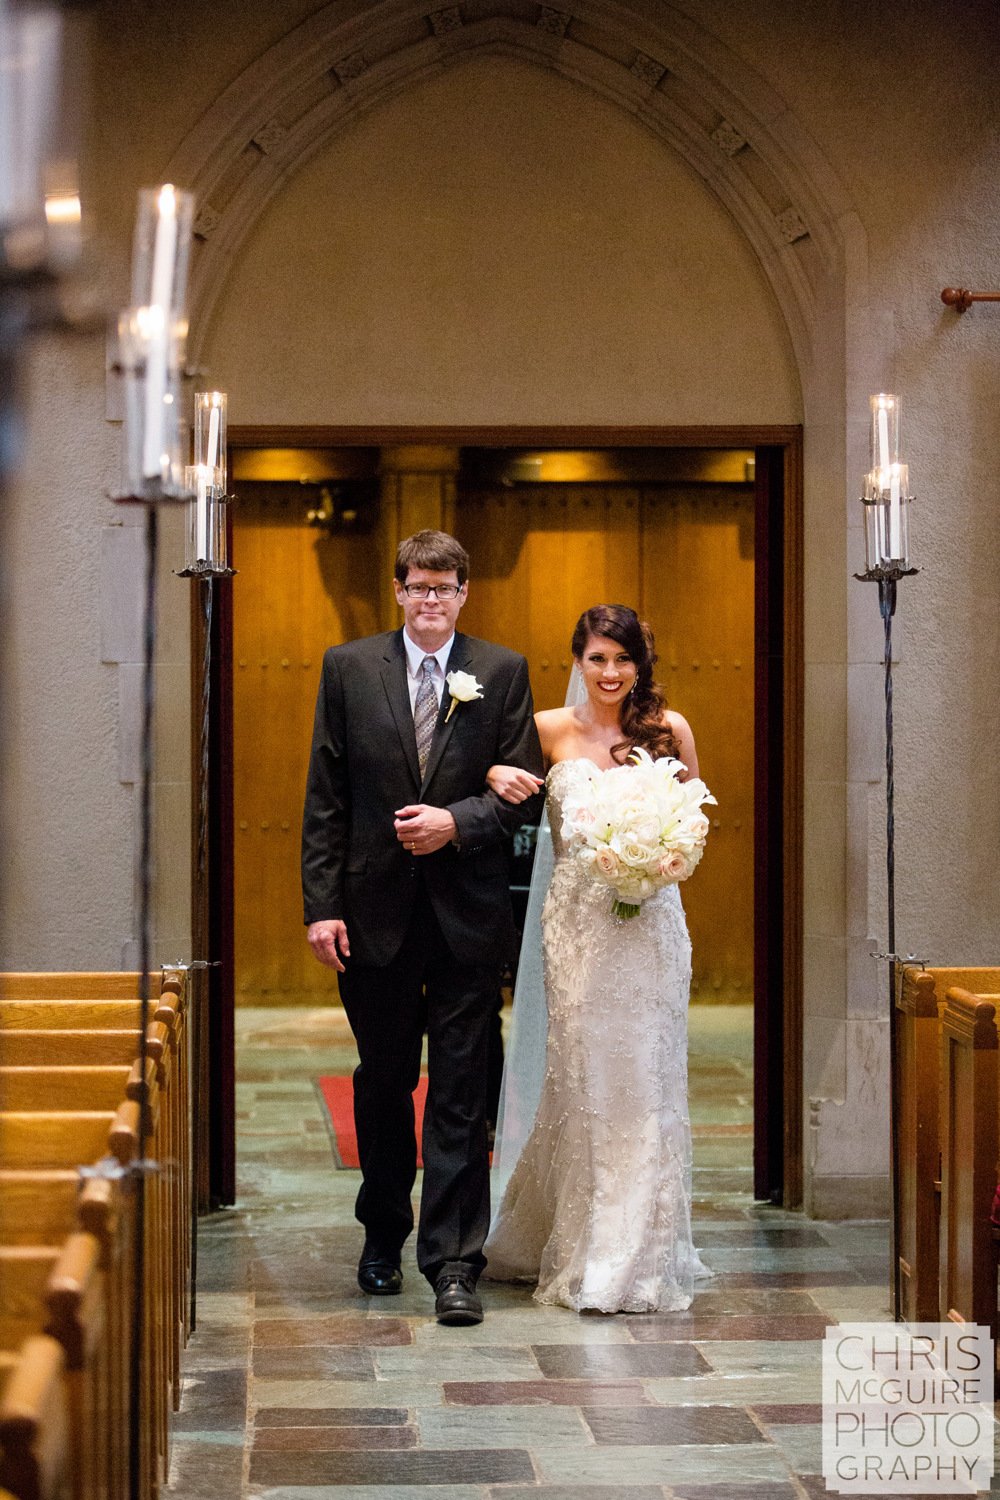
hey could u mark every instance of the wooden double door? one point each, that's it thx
(681, 554)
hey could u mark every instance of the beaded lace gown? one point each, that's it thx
(598, 1207)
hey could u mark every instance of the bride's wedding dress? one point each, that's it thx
(598, 1207)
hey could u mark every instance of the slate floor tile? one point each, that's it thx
(372, 1492)
(733, 1327)
(740, 1387)
(774, 1490)
(760, 1302)
(787, 1278)
(778, 1237)
(348, 1328)
(312, 1394)
(801, 1443)
(544, 1393)
(623, 1491)
(770, 1258)
(817, 1488)
(482, 1465)
(213, 1401)
(205, 1469)
(311, 1362)
(615, 1361)
(471, 1362)
(760, 1355)
(668, 1425)
(331, 1416)
(803, 1411)
(313, 1439)
(530, 1427)
(759, 1462)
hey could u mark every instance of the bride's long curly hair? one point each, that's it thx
(642, 711)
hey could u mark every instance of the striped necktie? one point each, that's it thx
(425, 711)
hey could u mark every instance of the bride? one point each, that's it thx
(598, 1206)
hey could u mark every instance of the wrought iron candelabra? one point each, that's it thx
(886, 499)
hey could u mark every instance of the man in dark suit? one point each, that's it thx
(406, 896)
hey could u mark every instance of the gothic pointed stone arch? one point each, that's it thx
(682, 84)
(729, 124)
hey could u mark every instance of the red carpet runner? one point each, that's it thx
(338, 1096)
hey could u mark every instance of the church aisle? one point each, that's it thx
(297, 1387)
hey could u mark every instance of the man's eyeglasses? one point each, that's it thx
(424, 590)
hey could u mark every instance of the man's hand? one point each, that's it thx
(328, 941)
(422, 829)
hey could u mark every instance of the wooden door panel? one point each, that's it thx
(697, 593)
(540, 557)
(298, 591)
(683, 557)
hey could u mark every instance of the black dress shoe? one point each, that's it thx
(378, 1274)
(456, 1300)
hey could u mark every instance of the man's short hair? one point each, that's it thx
(434, 551)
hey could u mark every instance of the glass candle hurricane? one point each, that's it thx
(206, 547)
(887, 518)
(154, 434)
(210, 431)
(886, 488)
(153, 336)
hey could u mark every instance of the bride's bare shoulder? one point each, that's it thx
(552, 725)
(553, 718)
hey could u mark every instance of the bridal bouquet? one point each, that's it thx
(638, 827)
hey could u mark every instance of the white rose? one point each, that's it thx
(607, 862)
(463, 688)
(637, 854)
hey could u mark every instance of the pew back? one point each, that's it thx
(969, 1133)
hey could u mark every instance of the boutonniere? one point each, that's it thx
(463, 688)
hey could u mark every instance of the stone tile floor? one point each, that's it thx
(297, 1387)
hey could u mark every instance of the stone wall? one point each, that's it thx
(696, 213)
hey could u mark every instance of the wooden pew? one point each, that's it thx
(52, 1028)
(61, 1291)
(74, 984)
(62, 1087)
(34, 1437)
(969, 1139)
(920, 997)
(79, 1289)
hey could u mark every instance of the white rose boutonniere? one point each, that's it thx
(463, 688)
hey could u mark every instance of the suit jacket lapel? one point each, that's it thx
(459, 660)
(398, 692)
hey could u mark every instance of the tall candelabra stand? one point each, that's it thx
(152, 336)
(206, 558)
(886, 499)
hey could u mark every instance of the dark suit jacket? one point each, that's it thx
(364, 767)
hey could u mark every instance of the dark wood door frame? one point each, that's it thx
(778, 716)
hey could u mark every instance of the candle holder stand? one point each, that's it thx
(887, 577)
(217, 565)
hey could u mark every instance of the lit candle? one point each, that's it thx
(212, 458)
(883, 443)
(201, 514)
(158, 348)
(895, 516)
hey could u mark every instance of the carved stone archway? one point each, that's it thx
(683, 85)
(736, 132)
